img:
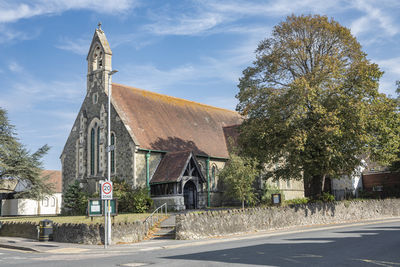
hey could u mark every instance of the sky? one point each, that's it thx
(190, 49)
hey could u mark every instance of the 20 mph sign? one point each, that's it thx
(106, 190)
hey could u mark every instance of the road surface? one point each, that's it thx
(364, 244)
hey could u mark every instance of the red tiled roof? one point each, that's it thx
(171, 167)
(160, 122)
(54, 179)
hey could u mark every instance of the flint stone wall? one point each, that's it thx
(26, 229)
(226, 222)
(92, 234)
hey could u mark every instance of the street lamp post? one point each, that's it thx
(107, 228)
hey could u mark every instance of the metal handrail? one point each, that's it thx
(150, 217)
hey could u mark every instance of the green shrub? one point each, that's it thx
(141, 201)
(366, 194)
(75, 200)
(268, 190)
(131, 200)
(326, 197)
(297, 201)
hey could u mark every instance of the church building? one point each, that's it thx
(172, 146)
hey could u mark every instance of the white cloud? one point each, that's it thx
(8, 34)
(14, 11)
(79, 46)
(207, 74)
(15, 67)
(391, 65)
(185, 24)
(274, 8)
(376, 18)
(27, 91)
(206, 16)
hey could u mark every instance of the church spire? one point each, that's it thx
(99, 61)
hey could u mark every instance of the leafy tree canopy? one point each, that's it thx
(238, 177)
(16, 162)
(311, 103)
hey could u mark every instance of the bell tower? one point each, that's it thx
(99, 62)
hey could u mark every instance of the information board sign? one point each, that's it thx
(95, 207)
(114, 207)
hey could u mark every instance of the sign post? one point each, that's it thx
(106, 195)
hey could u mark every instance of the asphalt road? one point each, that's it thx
(370, 244)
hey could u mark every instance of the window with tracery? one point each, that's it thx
(92, 150)
(98, 149)
(113, 153)
(213, 171)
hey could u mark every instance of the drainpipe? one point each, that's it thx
(148, 170)
(208, 181)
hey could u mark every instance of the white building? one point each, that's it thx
(49, 205)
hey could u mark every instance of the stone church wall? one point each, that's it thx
(73, 168)
(154, 160)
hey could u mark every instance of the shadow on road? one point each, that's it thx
(376, 246)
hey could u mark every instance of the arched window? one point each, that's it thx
(113, 153)
(45, 202)
(98, 149)
(213, 170)
(201, 167)
(97, 59)
(92, 150)
(53, 201)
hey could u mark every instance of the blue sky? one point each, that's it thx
(190, 49)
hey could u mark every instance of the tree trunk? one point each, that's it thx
(323, 183)
(313, 186)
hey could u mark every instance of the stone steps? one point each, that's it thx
(167, 229)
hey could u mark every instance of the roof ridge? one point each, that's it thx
(176, 98)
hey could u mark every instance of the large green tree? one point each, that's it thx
(311, 104)
(16, 162)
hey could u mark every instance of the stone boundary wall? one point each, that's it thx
(92, 234)
(198, 225)
(26, 229)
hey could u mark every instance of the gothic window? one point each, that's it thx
(92, 150)
(95, 98)
(98, 149)
(113, 153)
(77, 158)
(97, 59)
(201, 167)
(93, 147)
(213, 171)
(100, 60)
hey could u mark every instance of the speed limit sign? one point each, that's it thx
(106, 190)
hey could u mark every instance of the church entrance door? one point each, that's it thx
(189, 194)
